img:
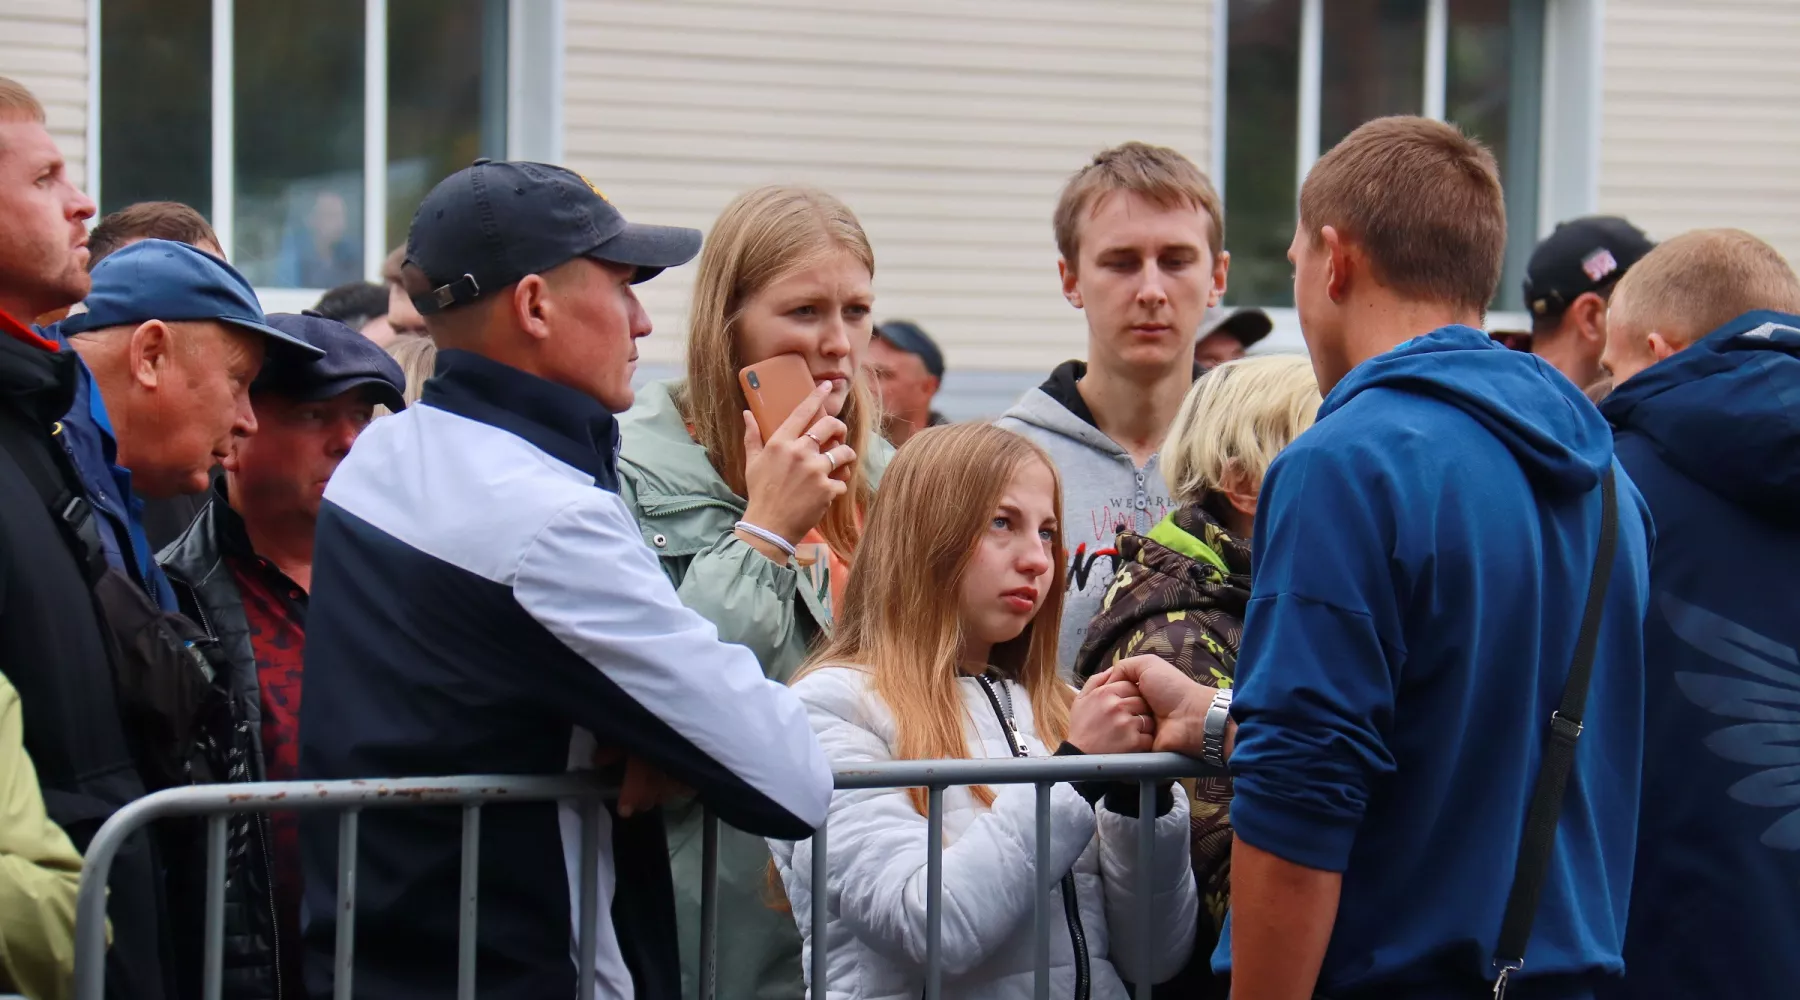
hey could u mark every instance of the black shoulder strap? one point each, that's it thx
(1559, 756)
(49, 470)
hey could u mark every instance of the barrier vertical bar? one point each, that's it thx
(1146, 879)
(1040, 899)
(213, 973)
(934, 892)
(709, 905)
(471, 891)
(821, 873)
(590, 893)
(346, 902)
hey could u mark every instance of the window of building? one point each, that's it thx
(1302, 74)
(308, 133)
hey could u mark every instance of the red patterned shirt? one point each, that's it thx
(275, 609)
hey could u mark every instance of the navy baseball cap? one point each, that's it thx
(173, 282)
(350, 361)
(492, 223)
(908, 336)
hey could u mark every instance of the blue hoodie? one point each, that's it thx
(1422, 555)
(1711, 435)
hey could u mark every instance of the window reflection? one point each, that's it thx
(1374, 64)
(156, 102)
(446, 96)
(1489, 99)
(299, 150)
(1262, 88)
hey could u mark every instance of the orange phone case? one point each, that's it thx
(774, 388)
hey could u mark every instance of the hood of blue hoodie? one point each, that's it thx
(1557, 436)
(1725, 412)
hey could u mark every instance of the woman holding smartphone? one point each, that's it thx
(758, 534)
(945, 648)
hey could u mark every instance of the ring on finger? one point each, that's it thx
(814, 438)
(1146, 724)
(833, 459)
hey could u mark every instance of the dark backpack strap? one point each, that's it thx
(50, 471)
(1559, 756)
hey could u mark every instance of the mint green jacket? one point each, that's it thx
(686, 512)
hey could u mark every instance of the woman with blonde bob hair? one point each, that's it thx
(1181, 590)
(946, 648)
(758, 535)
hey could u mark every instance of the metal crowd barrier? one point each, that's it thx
(219, 802)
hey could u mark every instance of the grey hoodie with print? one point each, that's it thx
(1104, 493)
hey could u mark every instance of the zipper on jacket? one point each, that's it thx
(683, 506)
(1071, 905)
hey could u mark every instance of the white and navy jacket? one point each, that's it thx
(483, 602)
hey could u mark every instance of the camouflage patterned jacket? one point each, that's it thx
(1180, 594)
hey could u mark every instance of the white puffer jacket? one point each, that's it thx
(877, 847)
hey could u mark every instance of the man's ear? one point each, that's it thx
(1589, 313)
(1221, 269)
(1338, 264)
(1071, 289)
(532, 307)
(150, 353)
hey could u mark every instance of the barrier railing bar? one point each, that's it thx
(1040, 898)
(821, 947)
(351, 796)
(471, 892)
(1146, 879)
(213, 976)
(934, 892)
(590, 894)
(346, 901)
(709, 905)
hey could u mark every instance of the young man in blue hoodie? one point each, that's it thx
(1704, 344)
(1423, 555)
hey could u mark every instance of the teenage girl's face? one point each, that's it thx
(1010, 573)
(821, 313)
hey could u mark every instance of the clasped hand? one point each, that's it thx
(1138, 704)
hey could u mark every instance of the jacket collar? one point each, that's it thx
(23, 333)
(570, 426)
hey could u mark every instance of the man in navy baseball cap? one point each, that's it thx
(528, 264)
(170, 338)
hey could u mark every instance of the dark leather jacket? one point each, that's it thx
(208, 594)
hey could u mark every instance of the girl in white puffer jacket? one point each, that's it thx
(946, 647)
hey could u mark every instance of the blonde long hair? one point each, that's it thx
(764, 235)
(901, 620)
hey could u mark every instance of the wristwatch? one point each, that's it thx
(1212, 736)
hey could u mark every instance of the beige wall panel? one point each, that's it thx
(948, 126)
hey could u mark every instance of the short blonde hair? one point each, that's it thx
(1157, 173)
(418, 360)
(1697, 282)
(1236, 419)
(17, 102)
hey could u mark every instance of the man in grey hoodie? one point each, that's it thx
(1141, 235)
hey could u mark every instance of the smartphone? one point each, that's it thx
(774, 388)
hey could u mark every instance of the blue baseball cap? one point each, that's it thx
(350, 361)
(173, 282)
(492, 223)
(912, 338)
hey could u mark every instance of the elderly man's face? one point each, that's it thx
(901, 381)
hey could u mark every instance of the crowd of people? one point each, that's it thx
(1486, 636)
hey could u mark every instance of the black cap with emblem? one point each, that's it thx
(494, 222)
(1582, 255)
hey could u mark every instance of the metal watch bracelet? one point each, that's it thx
(1212, 737)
